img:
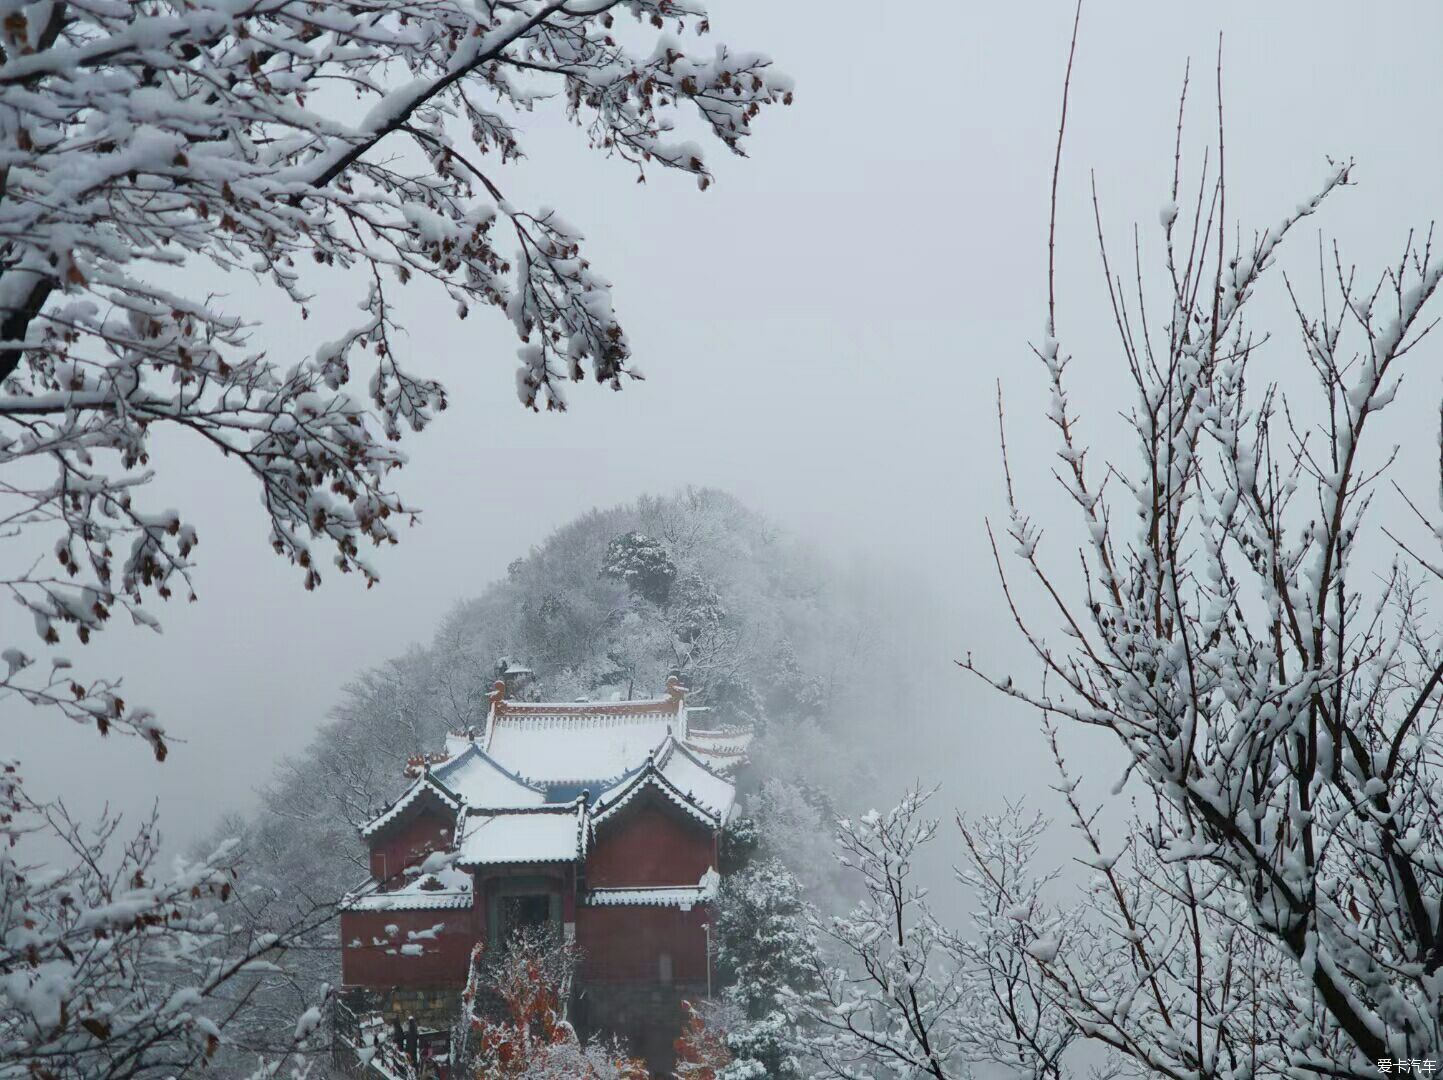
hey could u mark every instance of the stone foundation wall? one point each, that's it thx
(646, 1017)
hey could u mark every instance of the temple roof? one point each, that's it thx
(479, 780)
(578, 742)
(689, 774)
(723, 749)
(538, 835)
(425, 786)
(675, 774)
(552, 757)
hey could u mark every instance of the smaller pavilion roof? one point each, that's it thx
(545, 834)
(675, 774)
(723, 749)
(445, 890)
(479, 780)
(693, 776)
(424, 786)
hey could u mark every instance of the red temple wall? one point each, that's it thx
(650, 845)
(401, 845)
(625, 944)
(441, 963)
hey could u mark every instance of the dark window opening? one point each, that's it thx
(529, 911)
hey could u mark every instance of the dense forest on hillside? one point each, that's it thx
(758, 626)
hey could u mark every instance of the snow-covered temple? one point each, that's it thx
(601, 820)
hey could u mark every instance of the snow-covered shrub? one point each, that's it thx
(701, 1048)
(514, 1024)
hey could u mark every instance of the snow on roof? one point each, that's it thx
(480, 781)
(457, 742)
(578, 742)
(678, 896)
(422, 786)
(454, 892)
(526, 781)
(719, 737)
(723, 747)
(691, 776)
(539, 835)
(674, 773)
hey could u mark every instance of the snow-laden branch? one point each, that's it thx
(109, 967)
(142, 140)
(1279, 703)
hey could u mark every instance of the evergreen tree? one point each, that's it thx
(766, 951)
(792, 690)
(643, 564)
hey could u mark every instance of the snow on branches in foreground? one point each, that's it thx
(108, 968)
(302, 145)
(143, 140)
(1275, 695)
(1275, 908)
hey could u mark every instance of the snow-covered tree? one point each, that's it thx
(110, 968)
(147, 141)
(1011, 1018)
(1140, 959)
(790, 814)
(791, 690)
(643, 564)
(888, 999)
(766, 950)
(1269, 673)
(763, 941)
(899, 993)
(696, 609)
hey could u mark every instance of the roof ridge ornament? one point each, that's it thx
(418, 765)
(498, 695)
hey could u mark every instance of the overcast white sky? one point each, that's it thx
(822, 331)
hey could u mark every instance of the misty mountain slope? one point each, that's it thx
(759, 627)
(613, 602)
